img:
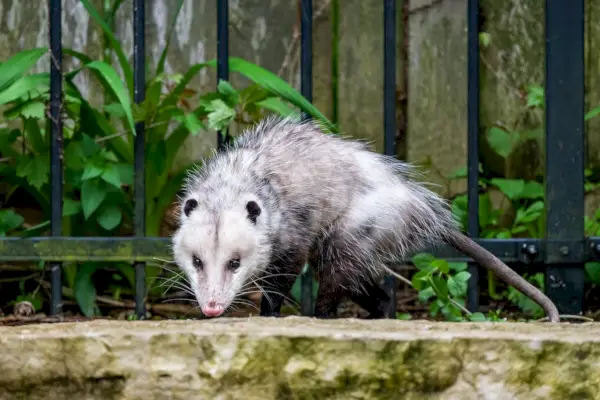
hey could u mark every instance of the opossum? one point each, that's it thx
(285, 192)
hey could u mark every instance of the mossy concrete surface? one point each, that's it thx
(299, 358)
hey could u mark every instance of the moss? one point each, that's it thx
(299, 358)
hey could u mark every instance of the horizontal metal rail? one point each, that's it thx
(147, 249)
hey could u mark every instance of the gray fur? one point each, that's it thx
(323, 198)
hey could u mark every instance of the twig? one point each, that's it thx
(405, 280)
(129, 304)
(19, 278)
(126, 132)
(567, 316)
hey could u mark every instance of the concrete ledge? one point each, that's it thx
(299, 358)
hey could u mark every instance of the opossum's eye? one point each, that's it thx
(197, 262)
(253, 211)
(234, 264)
(190, 205)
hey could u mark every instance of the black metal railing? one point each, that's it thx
(563, 251)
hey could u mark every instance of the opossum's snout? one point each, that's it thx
(213, 309)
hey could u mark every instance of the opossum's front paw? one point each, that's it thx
(325, 315)
(270, 314)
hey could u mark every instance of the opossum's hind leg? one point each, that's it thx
(277, 283)
(344, 272)
(372, 299)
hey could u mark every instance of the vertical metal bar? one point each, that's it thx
(139, 85)
(56, 149)
(306, 89)
(222, 54)
(335, 67)
(564, 150)
(473, 143)
(389, 112)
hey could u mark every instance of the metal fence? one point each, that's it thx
(563, 251)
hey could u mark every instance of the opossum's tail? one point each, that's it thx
(466, 245)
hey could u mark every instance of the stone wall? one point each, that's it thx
(299, 358)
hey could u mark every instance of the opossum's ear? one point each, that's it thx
(189, 206)
(253, 211)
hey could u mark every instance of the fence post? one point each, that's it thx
(139, 85)
(306, 279)
(222, 55)
(565, 153)
(56, 150)
(473, 144)
(389, 113)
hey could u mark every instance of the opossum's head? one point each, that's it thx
(221, 249)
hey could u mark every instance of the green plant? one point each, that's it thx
(98, 142)
(444, 284)
(523, 215)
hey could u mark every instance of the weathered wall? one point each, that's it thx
(263, 31)
(299, 358)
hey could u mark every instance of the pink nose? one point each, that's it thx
(212, 309)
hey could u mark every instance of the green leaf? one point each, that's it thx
(459, 173)
(85, 291)
(440, 287)
(91, 171)
(419, 279)
(192, 123)
(34, 169)
(457, 288)
(33, 109)
(484, 39)
(277, 105)
(25, 85)
(220, 116)
(535, 96)
(35, 137)
(111, 175)
(426, 294)
(126, 174)
(532, 190)
(115, 110)
(277, 86)
(462, 276)
(512, 188)
(173, 96)
(593, 271)
(110, 217)
(503, 234)
(441, 265)
(477, 317)
(114, 43)
(458, 266)
(89, 146)
(231, 96)
(422, 260)
(485, 210)
(71, 207)
(592, 113)
(403, 316)
(16, 66)
(9, 220)
(107, 74)
(501, 141)
(93, 193)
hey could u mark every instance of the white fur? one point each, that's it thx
(345, 186)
